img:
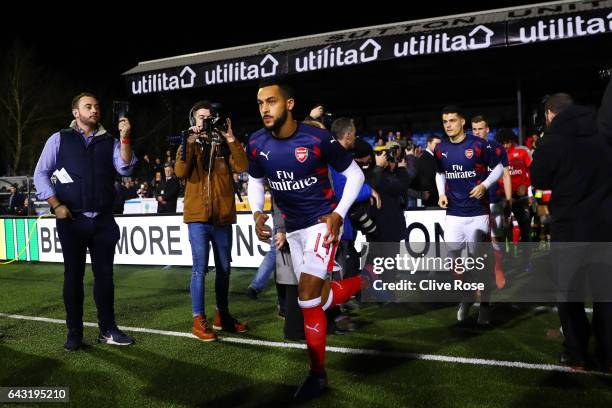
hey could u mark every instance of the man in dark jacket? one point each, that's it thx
(15, 201)
(167, 191)
(391, 177)
(145, 169)
(572, 160)
(426, 172)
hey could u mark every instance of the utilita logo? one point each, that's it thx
(164, 82)
(241, 71)
(559, 28)
(330, 57)
(479, 37)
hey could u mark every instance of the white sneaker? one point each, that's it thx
(464, 309)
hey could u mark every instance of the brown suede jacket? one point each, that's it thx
(210, 200)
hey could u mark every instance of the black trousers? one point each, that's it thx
(348, 259)
(522, 213)
(294, 319)
(99, 235)
(583, 271)
(577, 329)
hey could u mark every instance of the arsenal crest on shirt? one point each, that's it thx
(469, 153)
(301, 154)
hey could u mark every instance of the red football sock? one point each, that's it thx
(315, 329)
(500, 277)
(345, 288)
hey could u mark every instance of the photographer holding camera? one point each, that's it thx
(212, 154)
(391, 177)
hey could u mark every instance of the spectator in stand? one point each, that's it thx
(28, 206)
(169, 158)
(418, 151)
(15, 201)
(131, 190)
(145, 169)
(426, 172)
(414, 193)
(380, 139)
(158, 170)
(144, 191)
(167, 191)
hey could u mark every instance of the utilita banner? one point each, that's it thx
(526, 25)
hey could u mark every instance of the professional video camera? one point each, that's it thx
(392, 149)
(211, 134)
(213, 128)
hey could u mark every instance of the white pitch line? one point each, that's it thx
(342, 350)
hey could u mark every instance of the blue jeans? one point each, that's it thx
(201, 236)
(266, 268)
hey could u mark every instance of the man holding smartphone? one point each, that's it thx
(75, 174)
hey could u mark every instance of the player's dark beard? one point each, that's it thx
(278, 122)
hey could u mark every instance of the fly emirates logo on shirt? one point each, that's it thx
(287, 182)
(458, 173)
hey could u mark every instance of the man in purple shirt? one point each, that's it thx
(75, 174)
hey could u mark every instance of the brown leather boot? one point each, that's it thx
(201, 329)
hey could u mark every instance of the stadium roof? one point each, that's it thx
(462, 32)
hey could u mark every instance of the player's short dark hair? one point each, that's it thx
(480, 118)
(341, 126)
(201, 105)
(77, 99)
(558, 102)
(286, 89)
(506, 135)
(453, 109)
(430, 138)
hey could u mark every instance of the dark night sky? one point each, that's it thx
(75, 43)
(90, 50)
